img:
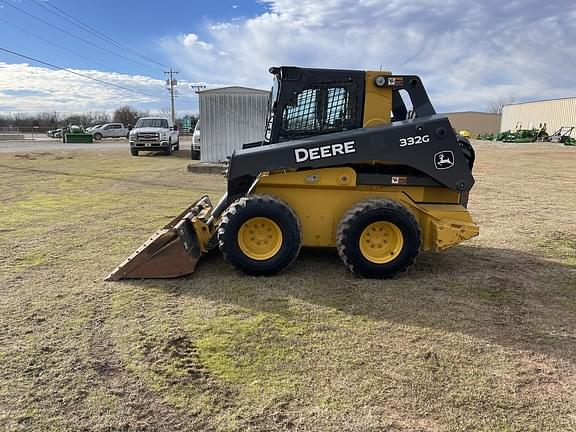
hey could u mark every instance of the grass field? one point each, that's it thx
(479, 338)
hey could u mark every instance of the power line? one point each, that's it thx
(73, 20)
(171, 83)
(77, 73)
(74, 35)
(53, 43)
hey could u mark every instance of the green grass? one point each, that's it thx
(480, 337)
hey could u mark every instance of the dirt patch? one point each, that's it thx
(206, 168)
(144, 409)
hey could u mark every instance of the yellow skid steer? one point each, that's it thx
(343, 164)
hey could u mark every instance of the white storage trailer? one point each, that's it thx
(230, 117)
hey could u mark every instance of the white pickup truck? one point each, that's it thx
(154, 134)
(196, 141)
(109, 130)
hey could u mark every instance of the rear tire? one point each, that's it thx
(260, 235)
(378, 238)
(134, 152)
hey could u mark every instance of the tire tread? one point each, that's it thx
(356, 210)
(260, 201)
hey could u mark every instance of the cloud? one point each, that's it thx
(191, 40)
(467, 52)
(27, 88)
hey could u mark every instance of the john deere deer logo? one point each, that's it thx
(444, 159)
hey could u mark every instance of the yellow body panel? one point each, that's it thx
(377, 101)
(321, 197)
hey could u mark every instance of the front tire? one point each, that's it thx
(378, 238)
(97, 136)
(134, 152)
(169, 149)
(260, 235)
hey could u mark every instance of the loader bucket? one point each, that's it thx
(171, 252)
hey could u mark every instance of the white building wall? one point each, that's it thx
(230, 117)
(555, 113)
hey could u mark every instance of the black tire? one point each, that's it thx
(195, 154)
(353, 225)
(177, 146)
(97, 136)
(134, 152)
(260, 206)
(168, 151)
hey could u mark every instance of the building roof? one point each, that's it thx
(540, 100)
(234, 89)
(470, 112)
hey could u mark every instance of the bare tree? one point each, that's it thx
(127, 115)
(495, 106)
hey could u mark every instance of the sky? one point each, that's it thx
(467, 52)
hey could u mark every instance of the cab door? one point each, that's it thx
(117, 131)
(174, 133)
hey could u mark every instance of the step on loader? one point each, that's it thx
(343, 164)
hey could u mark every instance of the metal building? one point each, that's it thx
(529, 115)
(475, 122)
(230, 117)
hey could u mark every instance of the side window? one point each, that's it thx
(117, 126)
(338, 109)
(319, 110)
(300, 115)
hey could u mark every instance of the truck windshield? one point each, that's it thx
(154, 123)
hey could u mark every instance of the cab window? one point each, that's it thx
(319, 110)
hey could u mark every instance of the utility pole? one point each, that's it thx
(171, 83)
(197, 88)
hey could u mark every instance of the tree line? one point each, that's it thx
(52, 120)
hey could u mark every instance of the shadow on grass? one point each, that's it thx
(507, 297)
(183, 153)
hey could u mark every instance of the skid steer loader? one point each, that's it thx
(343, 164)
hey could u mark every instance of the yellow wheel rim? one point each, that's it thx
(381, 242)
(260, 238)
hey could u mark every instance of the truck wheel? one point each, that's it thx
(196, 154)
(134, 152)
(98, 136)
(260, 235)
(177, 146)
(378, 238)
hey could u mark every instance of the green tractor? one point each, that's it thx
(524, 135)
